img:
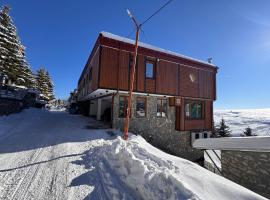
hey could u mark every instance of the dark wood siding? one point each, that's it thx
(123, 70)
(155, 54)
(206, 84)
(188, 81)
(150, 85)
(167, 78)
(208, 115)
(94, 65)
(141, 74)
(109, 68)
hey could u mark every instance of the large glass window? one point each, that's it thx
(161, 107)
(193, 109)
(149, 69)
(141, 107)
(123, 105)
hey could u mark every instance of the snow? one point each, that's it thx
(148, 46)
(152, 174)
(257, 119)
(52, 155)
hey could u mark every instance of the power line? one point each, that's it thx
(156, 12)
(140, 25)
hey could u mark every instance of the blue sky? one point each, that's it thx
(59, 36)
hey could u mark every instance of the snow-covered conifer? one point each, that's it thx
(44, 83)
(223, 130)
(13, 63)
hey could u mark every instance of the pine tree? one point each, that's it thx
(214, 130)
(50, 86)
(13, 63)
(248, 132)
(223, 130)
(44, 83)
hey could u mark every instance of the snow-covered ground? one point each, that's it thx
(257, 119)
(52, 155)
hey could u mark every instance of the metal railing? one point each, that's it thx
(213, 161)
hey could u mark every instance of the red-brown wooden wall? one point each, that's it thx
(170, 78)
(174, 76)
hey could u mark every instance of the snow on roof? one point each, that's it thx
(256, 143)
(148, 46)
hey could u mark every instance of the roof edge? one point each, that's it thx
(154, 48)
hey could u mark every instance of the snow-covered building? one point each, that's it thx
(173, 93)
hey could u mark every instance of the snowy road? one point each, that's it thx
(39, 154)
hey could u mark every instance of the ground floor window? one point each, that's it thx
(193, 109)
(141, 107)
(123, 105)
(161, 107)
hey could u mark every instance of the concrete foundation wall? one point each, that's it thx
(93, 108)
(158, 131)
(249, 169)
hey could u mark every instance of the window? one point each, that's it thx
(149, 69)
(141, 107)
(161, 107)
(193, 109)
(123, 105)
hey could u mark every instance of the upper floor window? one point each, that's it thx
(141, 107)
(149, 69)
(193, 109)
(161, 107)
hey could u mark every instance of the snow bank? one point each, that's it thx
(15, 123)
(137, 170)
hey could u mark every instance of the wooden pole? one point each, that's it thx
(131, 86)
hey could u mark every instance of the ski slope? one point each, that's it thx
(52, 155)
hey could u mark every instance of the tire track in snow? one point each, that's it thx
(24, 182)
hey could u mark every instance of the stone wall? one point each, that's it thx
(8, 106)
(160, 132)
(249, 169)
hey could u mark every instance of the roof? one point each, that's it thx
(148, 46)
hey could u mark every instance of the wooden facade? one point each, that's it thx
(108, 67)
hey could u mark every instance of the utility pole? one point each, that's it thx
(133, 69)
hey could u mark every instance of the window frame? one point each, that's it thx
(145, 109)
(166, 113)
(125, 107)
(153, 63)
(190, 102)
